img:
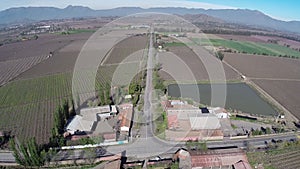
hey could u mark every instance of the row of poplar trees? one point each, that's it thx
(29, 153)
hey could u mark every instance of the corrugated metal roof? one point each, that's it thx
(78, 123)
(91, 113)
(204, 121)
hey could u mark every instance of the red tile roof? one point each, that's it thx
(172, 121)
(125, 115)
(217, 158)
(109, 136)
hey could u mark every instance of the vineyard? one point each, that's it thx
(12, 68)
(25, 121)
(286, 157)
(31, 94)
(37, 100)
(126, 47)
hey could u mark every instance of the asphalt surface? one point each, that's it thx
(146, 130)
(150, 147)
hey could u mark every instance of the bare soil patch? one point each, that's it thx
(257, 66)
(62, 60)
(285, 92)
(188, 60)
(40, 47)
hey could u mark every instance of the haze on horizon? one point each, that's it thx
(282, 10)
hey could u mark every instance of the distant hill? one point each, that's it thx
(240, 16)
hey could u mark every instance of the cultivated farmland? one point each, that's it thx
(37, 99)
(259, 38)
(251, 47)
(40, 47)
(12, 68)
(286, 92)
(255, 66)
(185, 58)
(284, 157)
(38, 91)
(63, 60)
(125, 48)
(279, 77)
(28, 120)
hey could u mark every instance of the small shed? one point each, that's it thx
(109, 137)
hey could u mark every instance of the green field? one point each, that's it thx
(75, 31)
(171, 44)
(251, 47)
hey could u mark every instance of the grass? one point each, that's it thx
(172, 44)
(251, 47)
(76, 31)
(234, 126)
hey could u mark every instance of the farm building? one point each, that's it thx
(89, 117)
(113, 164)
(176, 104)
(219, 112)
(79, 124)
(204, 121)
(125, 117)
(109, 137)
(226, 158)
(98, 113)
(128, 96)
(192, 124)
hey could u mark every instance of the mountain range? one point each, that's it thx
(239, 16)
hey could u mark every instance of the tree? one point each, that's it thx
(90, 103)
(65, 108)
(202, 146)
(101, 97)
(35, 37)
(73, 112)
(59, 121)
(220, 55)
(16, 153)
(28, 153)
(134, 87)
(77, 101)
(107, 96)
(268, 130)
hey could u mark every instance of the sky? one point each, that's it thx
(280, 9)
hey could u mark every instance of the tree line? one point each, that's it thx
(29, 153)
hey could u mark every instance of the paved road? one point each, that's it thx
(146, 130)
(146, 147)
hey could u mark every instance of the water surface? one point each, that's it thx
(239, 96)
